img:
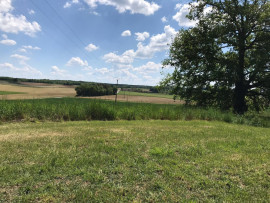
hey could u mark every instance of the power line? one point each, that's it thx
(66, 48)
(60, 17)
(59, 28)
(68, 26)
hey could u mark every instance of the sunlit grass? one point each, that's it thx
(134, 161)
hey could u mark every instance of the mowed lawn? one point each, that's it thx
(139, 161)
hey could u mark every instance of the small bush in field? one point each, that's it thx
(95, 90)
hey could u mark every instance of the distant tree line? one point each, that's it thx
(95, 90)
(154, 89)
(67, 82)
(150, 89)
(47, 81)
(134, 89)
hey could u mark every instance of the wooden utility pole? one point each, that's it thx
(116, 91)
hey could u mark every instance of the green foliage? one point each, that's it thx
(154, 89)
(224, 60)
(95, 90)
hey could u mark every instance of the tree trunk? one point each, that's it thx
(240, 91)
(239, 102)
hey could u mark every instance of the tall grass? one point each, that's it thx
(75, 109)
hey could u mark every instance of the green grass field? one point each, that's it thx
(146, 94)
(134, 161)
(8, 92)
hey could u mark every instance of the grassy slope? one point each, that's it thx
(145, 94)
(134, 161)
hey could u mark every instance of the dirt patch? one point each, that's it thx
(27, 136)
(119, 130)
(9, 192)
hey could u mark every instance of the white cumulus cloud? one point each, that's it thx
(126, 58)
(28, 47)
(77, 61)
(158, 43)
(55, 71)
(69, 3)
(5, 6)
(7, 66)
(142, 36)
(134, 6)
(126, 33)
(91, 47)
(183, 11)
(20, 57)
(102, 70)
(23, 50)
(150, 67)
(31, 12)
(7, 41)
(14, 24)
(164, 19)
(31, 47)
(8, 69)
(180, 16)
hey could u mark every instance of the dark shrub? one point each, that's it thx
(95, 90)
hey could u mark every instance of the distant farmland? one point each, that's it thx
(35, 91)
(27, 90)
(72, 149)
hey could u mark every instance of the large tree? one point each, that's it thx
(225, 59)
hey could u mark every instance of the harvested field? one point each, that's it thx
(36, 92)
(35, 84)
(140, 99)
(42, 90)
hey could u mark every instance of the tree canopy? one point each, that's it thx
(225, 59)
(95, 90)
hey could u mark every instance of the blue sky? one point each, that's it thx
(89, 40)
